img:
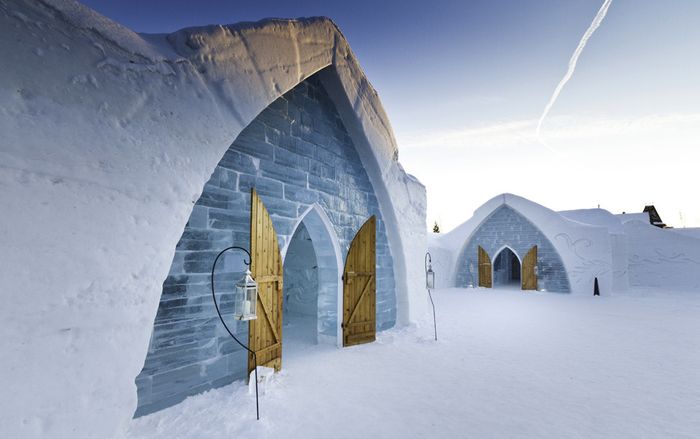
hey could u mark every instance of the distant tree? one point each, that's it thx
(436, 228)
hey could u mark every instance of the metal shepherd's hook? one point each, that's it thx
(430, 284)
(218, 311)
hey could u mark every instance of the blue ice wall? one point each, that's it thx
(506, 227)
(295, 153)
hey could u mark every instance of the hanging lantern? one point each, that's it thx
(430, 278)
(246, 298)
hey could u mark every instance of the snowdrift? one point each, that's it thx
(662, 257)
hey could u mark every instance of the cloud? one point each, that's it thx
(567, 132)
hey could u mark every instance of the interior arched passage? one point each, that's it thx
(312, 287)
(506, 268)
(301, 288)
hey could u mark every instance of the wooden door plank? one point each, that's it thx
(359, 295)
(528, 275)
(265, 333)
(271, 322)
(359, 299)
(485, 278)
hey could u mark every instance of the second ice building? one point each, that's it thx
(511, 241)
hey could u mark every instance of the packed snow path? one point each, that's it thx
(507, 364)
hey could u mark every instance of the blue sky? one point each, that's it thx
(464, 83)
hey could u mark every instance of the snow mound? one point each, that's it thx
(595, 217)
(639, 217)
(693, 232)
(662, 258)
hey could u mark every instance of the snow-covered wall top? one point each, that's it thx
(585, 249)
(693, 232)
(641, 217)
(662, 258)
(595, 217)
(108, 139)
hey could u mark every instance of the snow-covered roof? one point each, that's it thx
(539, 215)
(595, 217)
(627, 217)
(692, 232)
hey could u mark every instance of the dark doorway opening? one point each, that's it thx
(300, 309)
(506, 269)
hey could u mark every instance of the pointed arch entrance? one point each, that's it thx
(507, 268)
(300, 137)
(313, 288)
(505, 227)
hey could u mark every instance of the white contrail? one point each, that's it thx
(572, 62)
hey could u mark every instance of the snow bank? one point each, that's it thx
(597, 217)
(108, 139)
(693, 232)
(642, 217)
(662, 258)
(652, 257)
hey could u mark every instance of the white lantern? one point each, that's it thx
(246, 298)
(430, 278)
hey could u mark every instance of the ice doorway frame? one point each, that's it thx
(330, 267)
(493, 265)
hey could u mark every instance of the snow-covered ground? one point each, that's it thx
(507, 364)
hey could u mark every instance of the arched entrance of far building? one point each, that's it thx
(506, 268)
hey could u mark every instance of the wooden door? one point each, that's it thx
(360, 287)
(485, 272)
(265, 332)
(529, 275)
